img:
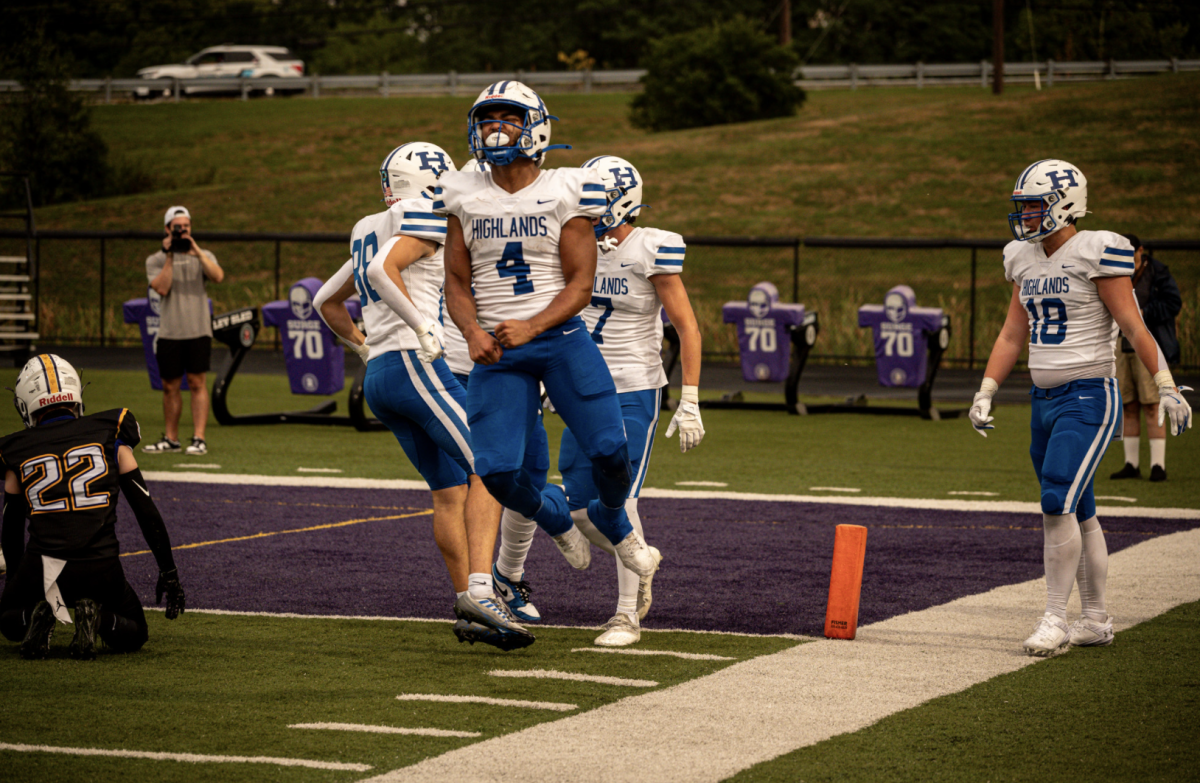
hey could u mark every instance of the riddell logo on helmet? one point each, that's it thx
(54, 399)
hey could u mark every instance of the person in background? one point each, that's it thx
(1159, 298)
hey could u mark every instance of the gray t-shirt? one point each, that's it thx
(184, 311)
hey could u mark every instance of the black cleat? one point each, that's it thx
(1129, 471)
(87, 620)
(474, 632)
(36, 644)
(1158, 473)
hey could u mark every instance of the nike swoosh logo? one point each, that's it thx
(143, 489)
(1068, 266)
(547, 201)
(576, 329)
(625, 265)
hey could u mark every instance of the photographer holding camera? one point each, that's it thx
(177, 273)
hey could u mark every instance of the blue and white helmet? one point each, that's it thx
(412, 170)
(1059, 187)
(622, 188)
(532, 138)
(476, 165)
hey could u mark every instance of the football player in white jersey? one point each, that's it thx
(520, 261)
(397, 273)
(1071, 290)
(637, 276)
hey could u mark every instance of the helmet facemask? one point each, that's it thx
(530, 139)
(1057, 190)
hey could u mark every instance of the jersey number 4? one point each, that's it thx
(1054, 316)
(512, 264)
(53, 469)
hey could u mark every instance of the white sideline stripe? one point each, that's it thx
(835, 489)
(550, 674)
(557, 706)
(296, 616)
(1116, 497)
(935, 504)
(385, 729)
(672, 653)
(701, 484)
(318, 470)
(969, 492)
(811, 692)
(204, 465)
(194, 758)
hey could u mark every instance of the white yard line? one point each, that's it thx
(811, 692)
(194, 758)
(834, 489)
(203, 465)
(1116, 497)
(385, 729)
(937, 504)
(550, 674)
(557, 706)
(319, 470)
(672, 653)
(969, 492)
(701, 484)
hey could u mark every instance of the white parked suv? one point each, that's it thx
(228, 61)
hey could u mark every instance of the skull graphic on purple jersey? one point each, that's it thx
(301, 301)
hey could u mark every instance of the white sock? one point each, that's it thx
(1063, 546)
(1158, 452)
(1132, 445)
(516, 536)
(460, 595)
(1092, 574)
(627, 581)
(480, 585)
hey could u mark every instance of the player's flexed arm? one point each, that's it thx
(460, 302)
(577, 247)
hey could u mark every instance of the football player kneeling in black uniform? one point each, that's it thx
(63, 473)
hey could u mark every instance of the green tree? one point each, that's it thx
(729, 72)
(46, 131)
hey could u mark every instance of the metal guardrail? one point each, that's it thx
(850, 76)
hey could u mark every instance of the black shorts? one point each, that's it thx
(176, 357)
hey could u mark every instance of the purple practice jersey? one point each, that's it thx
(764, 332)
(901, 344)
(314, 357)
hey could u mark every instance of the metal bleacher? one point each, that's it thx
(18, 284)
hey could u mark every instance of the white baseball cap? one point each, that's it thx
(175, 212)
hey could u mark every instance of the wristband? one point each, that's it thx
(988, 387)
(690, 394)
(1163, 379)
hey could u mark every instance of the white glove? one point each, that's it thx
(431, 348)
(982, 407)
(1172, 405)
(363, 351)
(687, 420)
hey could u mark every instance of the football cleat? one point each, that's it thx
(575, 548)
(1050, 635)
(636, 556)
(1086, 632)
(36, 644)
(515, 595)
(1127, 472)
(164, 446)
(474, 632)
(621, 631)
(492, 614)
(643, 595)
(87, 622)
(198, 448)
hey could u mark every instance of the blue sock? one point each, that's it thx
(612, 522)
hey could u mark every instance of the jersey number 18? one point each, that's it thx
(1054, 316)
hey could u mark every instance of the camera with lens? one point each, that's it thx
(179, 243)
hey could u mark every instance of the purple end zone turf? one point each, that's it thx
(750, 566)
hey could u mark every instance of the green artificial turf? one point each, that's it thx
(748, 451)
(231, 685)
(1128, 712)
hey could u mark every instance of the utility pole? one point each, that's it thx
(997, 47)
(785, 23)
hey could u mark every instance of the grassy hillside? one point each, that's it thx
(897, 162)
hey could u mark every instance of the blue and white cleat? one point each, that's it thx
(488, 620)
(515, 595)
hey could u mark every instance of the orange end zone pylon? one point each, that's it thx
(845, 581)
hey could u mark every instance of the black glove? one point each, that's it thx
(168, 582)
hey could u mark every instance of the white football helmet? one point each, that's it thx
(412, 170)
(622, 188)
(46, 380)
(476, 165)
(1059, 187)
(532, 136)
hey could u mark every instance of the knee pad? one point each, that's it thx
(611, 474)
(510, 491)
(1054, 498)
